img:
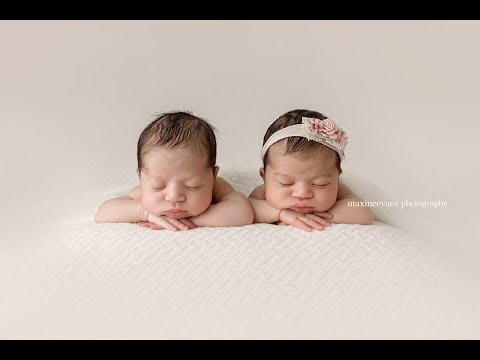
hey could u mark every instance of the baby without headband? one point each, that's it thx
(323, 131)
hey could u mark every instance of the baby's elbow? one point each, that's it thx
(99, 218)
(250, 214)
(367, 218)
(100, 215)
(247, 214)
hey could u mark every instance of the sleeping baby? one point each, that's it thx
(302, 153)
(179, 188)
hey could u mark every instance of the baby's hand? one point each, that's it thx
(307, 222)
(164, 222)
(150, 225)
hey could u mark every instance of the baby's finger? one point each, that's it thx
(313, 224)
(178, 225)
(163, 222)
(318, 219)
(188, 223)
(301, 225)
(324, 215)
(149, 225)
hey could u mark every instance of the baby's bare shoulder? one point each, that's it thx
(135, 193)
(258, 192)
(344, 191)
(222, 187)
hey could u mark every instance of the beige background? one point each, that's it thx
(74, 96)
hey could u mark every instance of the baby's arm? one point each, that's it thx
(343, 214)
(266, 213)
(231, 208)
(129, 209)
(125, 209)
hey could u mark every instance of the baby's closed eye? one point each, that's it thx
(321, 185)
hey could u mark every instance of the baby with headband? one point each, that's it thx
(302, 154)
(179, 188)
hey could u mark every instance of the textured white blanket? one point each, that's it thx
(102, 281)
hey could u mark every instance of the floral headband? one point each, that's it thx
(323, 131)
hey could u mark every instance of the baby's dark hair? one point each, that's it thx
(298, 144)
(175, 129)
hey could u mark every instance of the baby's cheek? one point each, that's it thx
(328, 200)
(275, 197)
(149, 203)
(200, 202)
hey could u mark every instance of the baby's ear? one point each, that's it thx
(215, 171)
(262, 173)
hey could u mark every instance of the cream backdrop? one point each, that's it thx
(74, 96)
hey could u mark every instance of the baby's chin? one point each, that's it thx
(185, 214)
(317, 208)
(182, 215)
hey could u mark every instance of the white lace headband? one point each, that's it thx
(323, 131)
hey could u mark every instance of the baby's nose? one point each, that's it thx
(174, 195)
(303, 191)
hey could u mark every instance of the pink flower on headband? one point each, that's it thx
(326, 128)
(341, 136)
